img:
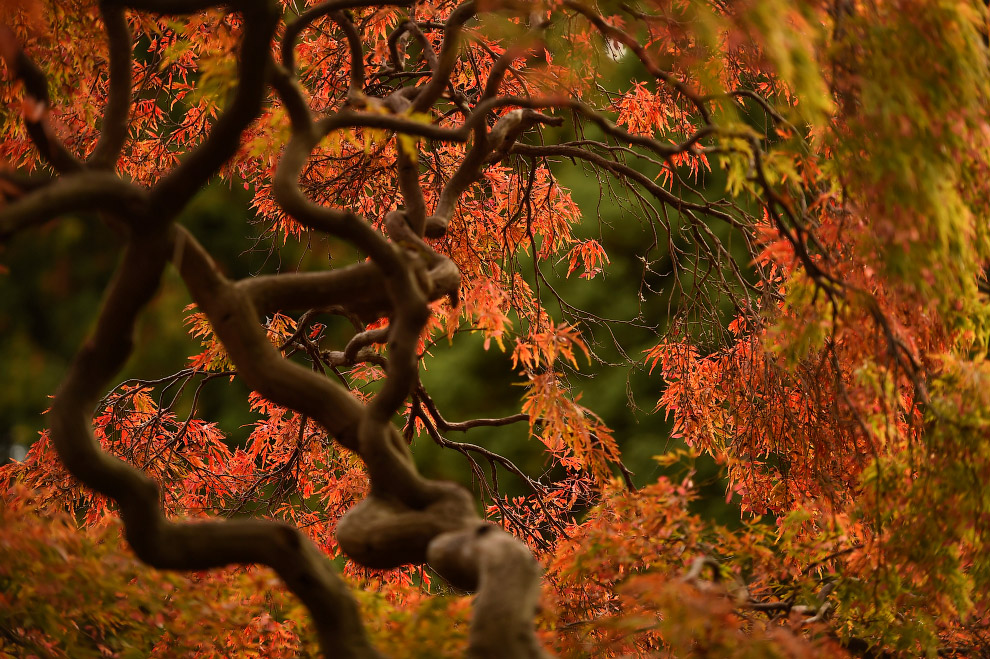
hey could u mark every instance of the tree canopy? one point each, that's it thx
(790, 199)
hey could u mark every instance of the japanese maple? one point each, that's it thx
(814, 179)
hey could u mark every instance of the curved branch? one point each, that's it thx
(173, 191)
(407, 170)
(386, 456)
(363, 340)
(359, 288)
(406, 518)
(292, 98)
(400, 124)
(486, 147)
(507, 578)
(155, 540)
(74, 193)
(386, 530)
(462, 426)
(35, 83)
(113, 132)
(410, 27)
(295, 28)
(234, 319)
(356, 86)
(448, 57)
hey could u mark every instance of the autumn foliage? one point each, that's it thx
(812, 178)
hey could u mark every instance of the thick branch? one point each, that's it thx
(172, 192)
(75, 193)
(363, 340)
(412, 192)
(410, 27)
(35, 83)
(507, 578)
(359, 288)
(234, 319)
(349, 118)
(356, 87)
(448, 57)
(503, 135)
(113, 132)
(156, 541)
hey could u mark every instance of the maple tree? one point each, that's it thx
(812, 176)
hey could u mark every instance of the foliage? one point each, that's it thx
(811, 178)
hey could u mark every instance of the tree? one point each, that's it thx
(813, 175)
